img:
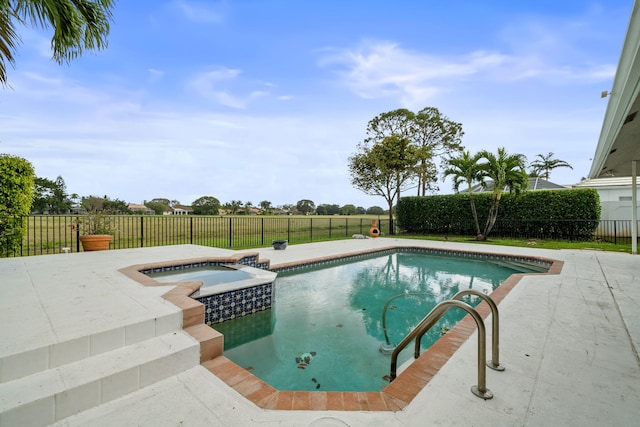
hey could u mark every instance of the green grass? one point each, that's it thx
(531, 243)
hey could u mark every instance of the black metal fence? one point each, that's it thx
(50, 234)
(612, 231)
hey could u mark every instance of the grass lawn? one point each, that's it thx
(531, 243)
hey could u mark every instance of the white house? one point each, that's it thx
(615, 196)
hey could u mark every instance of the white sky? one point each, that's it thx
(257, 100)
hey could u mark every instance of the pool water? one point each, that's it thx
(209, 275)
(326, 331)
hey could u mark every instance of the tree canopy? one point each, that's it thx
(50, 196)
(544, 164)
(466, 169)
(206, 205)
(506, 172)
(305, 206)
(78, 25)
(432, 134)
(384, 169)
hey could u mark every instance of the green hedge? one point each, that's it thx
(16, 191)
(559, 214)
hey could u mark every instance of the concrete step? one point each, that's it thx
(33, 360)
(50, 395)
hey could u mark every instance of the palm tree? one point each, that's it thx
(466, 169)
(507, 172)
(547, 164)
(77, 25)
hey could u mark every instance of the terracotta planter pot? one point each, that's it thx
(95, 242)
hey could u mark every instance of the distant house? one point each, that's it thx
(76, 209)
(615, 196)
(142, 209)
(179, 210)
(535, 184)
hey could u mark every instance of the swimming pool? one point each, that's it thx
(325, 330)
(208, 275)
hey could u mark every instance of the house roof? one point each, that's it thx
(136, 206)
(534, 184)
(624, 181)
(619, 141)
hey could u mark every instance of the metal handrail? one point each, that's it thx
(428, 321)
(494, 363)
(384, 312)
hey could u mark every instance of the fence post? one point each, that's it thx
(329, 227)
(289, 229)
(262, 232)
(230, 232)
(77, 234)
(191, 230)
(311, 229)
(142, 231)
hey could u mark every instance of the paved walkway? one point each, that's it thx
(569, 342)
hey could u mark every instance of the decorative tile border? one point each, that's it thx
(533, 262)
(248, 260)
(238, 303)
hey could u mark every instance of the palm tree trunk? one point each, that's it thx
(491, 220)
(474, 212)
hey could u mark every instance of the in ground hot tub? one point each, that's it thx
(228, 291)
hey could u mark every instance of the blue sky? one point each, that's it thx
(257, 100)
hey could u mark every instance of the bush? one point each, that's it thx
(16, 195)
(558, 214)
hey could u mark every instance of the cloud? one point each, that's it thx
(384, 69)
(202, 12)
(224, 86)
(155, 75)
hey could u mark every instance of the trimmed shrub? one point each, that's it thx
(16, 195)
(557, 214)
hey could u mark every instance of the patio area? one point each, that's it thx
(82, 344)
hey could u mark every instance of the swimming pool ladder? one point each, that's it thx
(434, 315)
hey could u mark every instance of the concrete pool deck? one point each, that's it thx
(77, 333)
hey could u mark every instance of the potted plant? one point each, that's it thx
(96, 230)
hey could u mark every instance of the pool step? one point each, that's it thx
(29, 362)
(54, 394)
(525, 267)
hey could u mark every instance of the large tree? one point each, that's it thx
(348, 210)
(305, 206)
(206, 205)
(465, 169)
(433, 134)
(78, 25)
(544, 164)
(266, 207)
(507, 171)
(436, 136)
(385, 168)
(50, 196)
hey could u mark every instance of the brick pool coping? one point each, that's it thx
(394, 397)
